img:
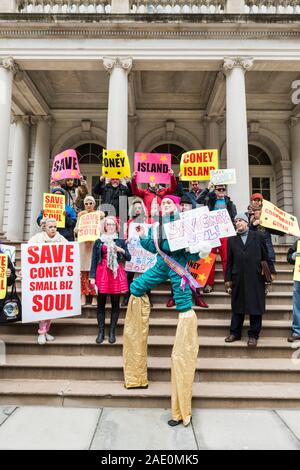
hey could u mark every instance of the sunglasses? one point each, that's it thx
(88, 203)
(220, 189)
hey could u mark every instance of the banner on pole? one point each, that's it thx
(200, 270)
(89, 227)
(297, 264)
(115, 164)
(277, 219)
(223, 176)
(152, 167)
(65, 166)
(54, 207)
(51, 281)
(141, 260)
(3, 275)
(197, 164)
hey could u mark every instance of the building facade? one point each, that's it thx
(148, 76)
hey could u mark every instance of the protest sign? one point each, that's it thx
(277, 219)
(200, 269)
(54, 207)
(115, 164)
(65, 165)
(197, 164)
(89, 227)
(152, 167)
(199, 227)
(141, 260)
(3, 276)
(10, 251)
(297, 264)
(51, 281)
(223, 176)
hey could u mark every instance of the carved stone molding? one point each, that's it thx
(122, 62)
(25, 119)
(293, 121)
(9, 63)
(245, 63)
(36, 119)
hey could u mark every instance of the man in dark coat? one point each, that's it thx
(110, 195)
(244, 280)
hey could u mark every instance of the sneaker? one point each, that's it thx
(208, 289)
(42, 339)
(293, 338)
(171, 303)
(49, 337)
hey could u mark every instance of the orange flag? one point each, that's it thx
(200, 270)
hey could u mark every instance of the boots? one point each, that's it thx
(101, 324)
(112, 328)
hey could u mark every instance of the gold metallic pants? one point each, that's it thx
(136, 329)
(184, 361)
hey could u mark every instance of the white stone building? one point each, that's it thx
(148, 75)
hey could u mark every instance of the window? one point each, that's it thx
(89, 153)
(173, 149)
(257, 156)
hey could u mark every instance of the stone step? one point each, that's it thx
(158, 346)
(157, 326)
(100, 368)
(158, 395)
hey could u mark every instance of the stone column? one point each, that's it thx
(8, 6)
(236, 128)
(16, 212)
(41, 175)
(295, 155)
(117, 115)
(8, 68)
(212, 127)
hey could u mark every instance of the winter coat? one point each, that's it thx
(245, 272)
(148, 196)
(111, 195)
(268, 241)
(97, 255)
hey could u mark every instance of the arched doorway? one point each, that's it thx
(90, 159)
(262, 178)
(176, 151)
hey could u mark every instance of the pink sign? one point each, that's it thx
(152, 167)
(65, 166)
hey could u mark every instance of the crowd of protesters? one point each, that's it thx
(101, 262)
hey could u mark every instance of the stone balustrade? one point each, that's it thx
(153, 6)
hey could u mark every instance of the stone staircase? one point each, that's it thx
(75, 371)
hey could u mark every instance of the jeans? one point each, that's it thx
(296, 308)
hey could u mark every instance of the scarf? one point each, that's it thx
(112, 257)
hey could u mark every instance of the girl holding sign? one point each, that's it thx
(49, 234)
(109, 275)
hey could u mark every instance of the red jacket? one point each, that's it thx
(148, 196)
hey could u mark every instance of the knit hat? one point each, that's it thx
(256, 196)
(242, 215)
(58, 190)
(187, 199)
(175, 199)
(89, 198)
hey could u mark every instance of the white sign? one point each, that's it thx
(199, 226)
(141, 260)
(223, 176)
(51, 281)
(10, 251)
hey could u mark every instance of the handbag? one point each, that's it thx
(266, 273)
(12, 308)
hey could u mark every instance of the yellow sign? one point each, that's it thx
(3, 275)
(115, 164)
(197, 164)
(277, 219)
(89, 227)
(54, 207)
(297, 264)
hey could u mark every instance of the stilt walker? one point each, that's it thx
(169, 265)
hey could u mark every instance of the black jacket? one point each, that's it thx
(97, 255)
(245, 272)
(291, 251)
(10, 280)
(111, 195)
(209, 198)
